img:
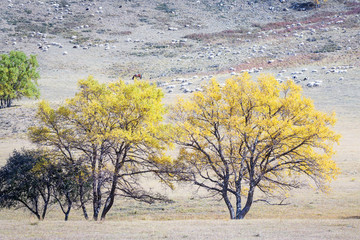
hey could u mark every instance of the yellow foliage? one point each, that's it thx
(102, 119)
(259, 130)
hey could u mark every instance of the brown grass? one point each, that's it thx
(194, 229)
(227, 35)
(310, 215)
(291, 61)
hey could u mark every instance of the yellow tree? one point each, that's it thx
(251, 135)
(113, 130)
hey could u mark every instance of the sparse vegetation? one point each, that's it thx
(28, 11)
(164, 7)
(64, 3)
(328, 47)
(226, 35)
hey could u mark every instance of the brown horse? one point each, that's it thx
(136, 76)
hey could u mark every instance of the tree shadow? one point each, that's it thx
(352, 217)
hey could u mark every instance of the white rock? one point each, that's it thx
(317, 83)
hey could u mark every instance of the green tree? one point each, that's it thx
(23, 185)
(252, 135)
(115, 130)
(18, 77)
(35, 179)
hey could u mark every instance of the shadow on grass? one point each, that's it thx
(352, 217)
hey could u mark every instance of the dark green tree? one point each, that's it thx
(18, 77)
(35, 179)
(23, 184)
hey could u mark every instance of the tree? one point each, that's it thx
(23, 185)
(71, 185)
(252, 135)
(115, 130)
(18, 77)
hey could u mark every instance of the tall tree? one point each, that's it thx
(18, 77)
(115, 130)
(252, 135)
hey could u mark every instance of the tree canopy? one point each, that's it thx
(115, 131)
(251, 135)
(22, 184)
(18, 77)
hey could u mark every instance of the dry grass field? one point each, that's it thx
(169, 41)
(184, 229)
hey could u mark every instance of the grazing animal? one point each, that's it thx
(136, 76)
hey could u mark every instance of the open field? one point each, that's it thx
(189, 229)
(179, 42)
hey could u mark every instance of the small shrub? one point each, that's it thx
(28, 11)
(64, 3)
(329, 47)
(165, 8)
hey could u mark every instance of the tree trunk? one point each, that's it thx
(238, 205)
(229, 205)
(86, 216)
(37, 215)
(83, 207)
(9, 101)
(240, 213)
(110, 199)
(69, 207)
(96, 184)
(46, 202)
(32, 210)
(67, 213)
